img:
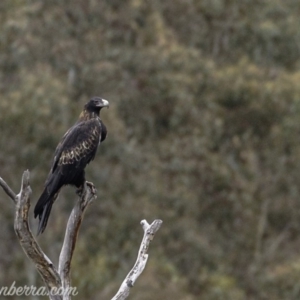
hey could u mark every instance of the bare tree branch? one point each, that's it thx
(7, 190)
(60, 280)
(149, 232)
(30, 246)
(89, 194)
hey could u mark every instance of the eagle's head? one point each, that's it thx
(95, 105)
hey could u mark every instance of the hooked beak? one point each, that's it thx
(104, 103)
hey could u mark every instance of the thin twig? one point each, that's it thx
(8, 190)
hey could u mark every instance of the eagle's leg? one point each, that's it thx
(79, 191)
(79, 183)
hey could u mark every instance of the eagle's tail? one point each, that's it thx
(43, 209)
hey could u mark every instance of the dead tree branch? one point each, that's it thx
(55, 280)
(30, 246)
(71, 234)
(8, 190)
(149, 232)
(58, 281)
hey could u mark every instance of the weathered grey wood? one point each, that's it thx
(30, 246)
(60, 280)
(55, 280)
(7, 190)
(149, 232)
(66, 254)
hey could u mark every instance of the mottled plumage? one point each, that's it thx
(76, 149)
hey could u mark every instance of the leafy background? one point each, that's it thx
(203, 133)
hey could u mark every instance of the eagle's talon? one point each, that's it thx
(91, 186)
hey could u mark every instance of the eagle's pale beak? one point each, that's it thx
(103, 103)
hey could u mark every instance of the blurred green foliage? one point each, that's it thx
(202, 132)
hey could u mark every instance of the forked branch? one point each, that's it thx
(59, 279)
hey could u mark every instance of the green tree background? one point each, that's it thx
(203, 133)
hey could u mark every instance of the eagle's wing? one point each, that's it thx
(77, 147)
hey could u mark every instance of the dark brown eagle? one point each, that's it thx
(75, 150)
